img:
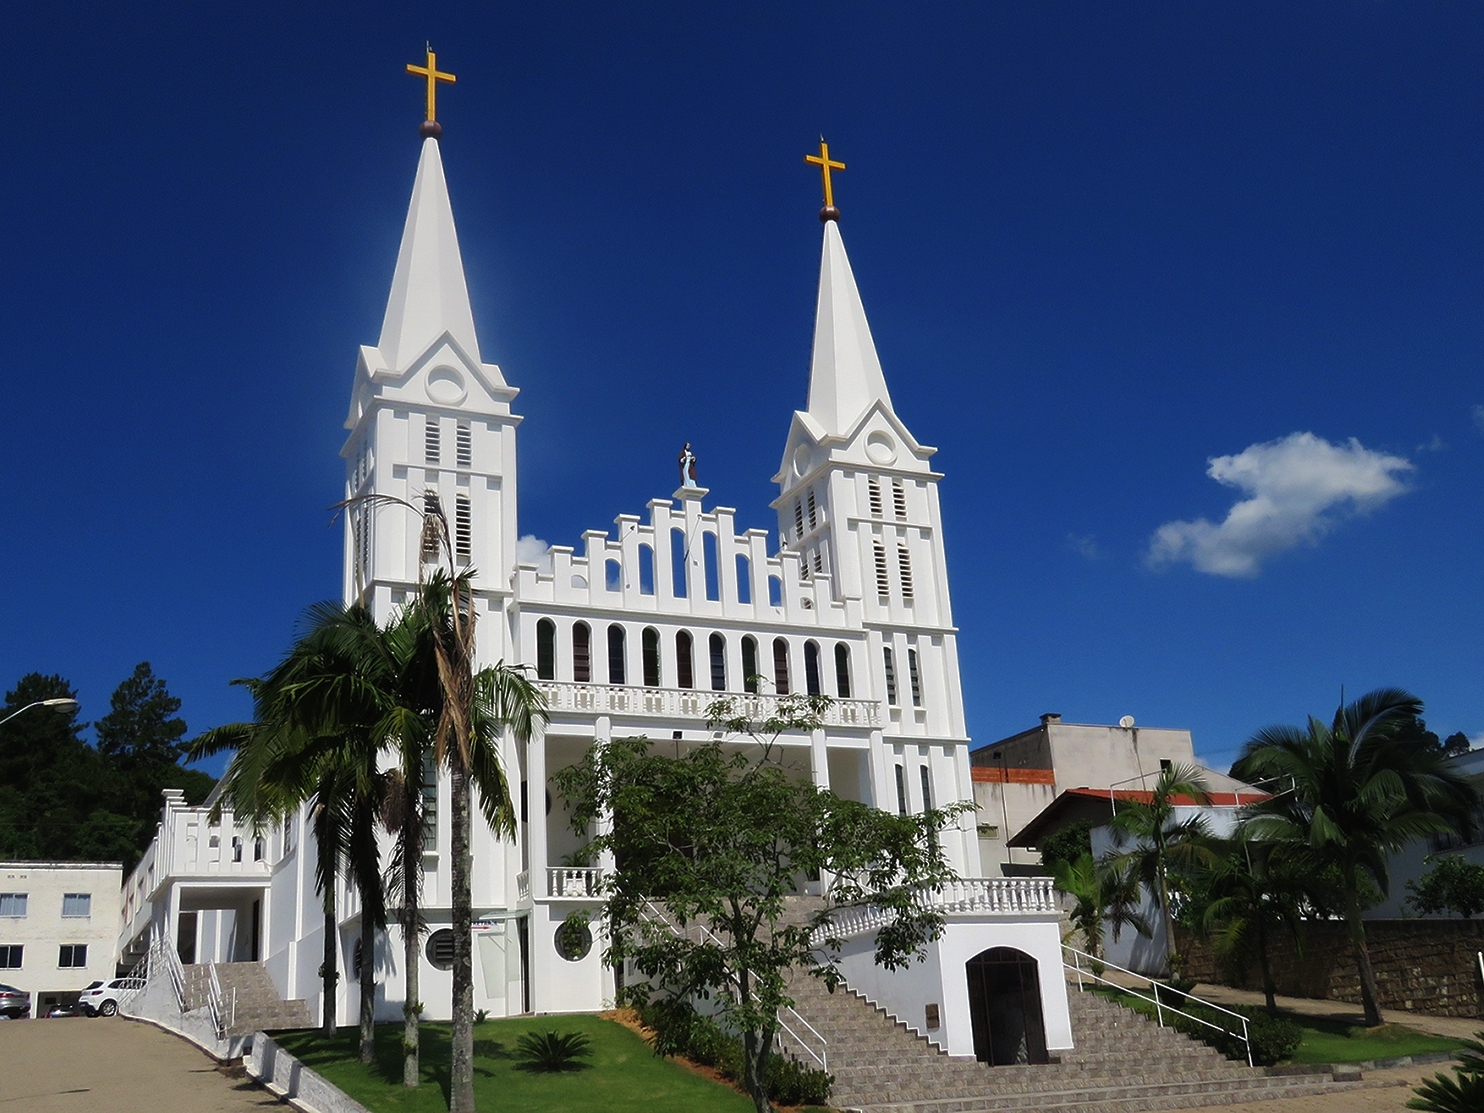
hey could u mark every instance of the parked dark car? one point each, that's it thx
(14, 1003)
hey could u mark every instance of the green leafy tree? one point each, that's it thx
(1351, 793)
(1104, 895)
(709, 846)
(1158, 839)
(1454, 884)
(1253, 891)
(1066, 845)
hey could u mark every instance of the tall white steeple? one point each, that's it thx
(845, 374)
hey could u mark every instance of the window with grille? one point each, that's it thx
(813, 518)
(10, 957)
(899, 498)
(913, 678)
(842, 670)
(684, 665)
(463, 446)
(439, 949)
(901, 791)
(430, 803)
(811, 668)
(72, 955)
(13, 904)
(651, 657)
(749, 664)
(463, 529)
(873, 490)
(927, 787)
(780, 666)
(718, 663)
(432, 508)
(546, 649)
(883, 584)
(615, 654)
(904, 568)
(582, 653)
(432, 442)
(798, 518)
(891, 675)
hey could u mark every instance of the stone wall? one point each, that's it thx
(1427, 966)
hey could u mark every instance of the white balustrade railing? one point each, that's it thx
(993, 896)
(574, 882)
(689, 703)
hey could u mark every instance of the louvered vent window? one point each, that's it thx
(798, 519)
(891, 675)
(463, 529)
(813, 515)
(873, 487)
(463, 447)
(883, 585)
(904, 566)
(432, 442)
(431, 510)
(914, 678)
(899, 498)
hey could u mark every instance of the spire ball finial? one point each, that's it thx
(430, 129)
(829, 213)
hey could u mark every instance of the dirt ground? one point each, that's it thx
(122, 1066)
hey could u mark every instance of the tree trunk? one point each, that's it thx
(328, 967)
(368, 987)
(1172, 958)
(1370, 997)
(412, 866)
(1269, 990)
(755, 1068)
(461, 1066)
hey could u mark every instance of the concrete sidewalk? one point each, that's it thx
(80, 1065)
(1463, 1028)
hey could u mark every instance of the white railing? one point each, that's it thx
(689, 703)
(1153, 998)
(992, 896)
(569, 882)
(706, 935)
(223, 1011)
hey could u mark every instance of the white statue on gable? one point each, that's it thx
(688, 467)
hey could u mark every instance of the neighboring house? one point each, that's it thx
(1411, 862)
(635, 631)
(58, 928)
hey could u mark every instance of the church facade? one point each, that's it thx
(636, 631)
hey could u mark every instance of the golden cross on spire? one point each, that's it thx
(825, 164)
(432, 73)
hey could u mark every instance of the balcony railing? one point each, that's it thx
(689, 703)
(984, 896)
(574, 882)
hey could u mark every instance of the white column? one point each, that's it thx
(536, 813)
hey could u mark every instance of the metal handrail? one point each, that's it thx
(823, 1058)
(1159, 1006)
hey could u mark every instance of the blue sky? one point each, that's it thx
(1106, 250)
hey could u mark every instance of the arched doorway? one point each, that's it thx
(1005, 1008)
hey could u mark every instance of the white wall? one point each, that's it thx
(43, 930)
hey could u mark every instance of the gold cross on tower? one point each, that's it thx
(826, 164)
(432, 73)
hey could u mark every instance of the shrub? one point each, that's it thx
(792, 1083)
(1273, 1038)
(547, 1052)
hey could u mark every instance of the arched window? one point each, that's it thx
(780, 666)
(646, 570)
(842, 670)
(615, 654)
(927, 788)
(546, 649)
(651, 657)
(749, 663)
(718, 663)
(775, 591)
(677, 561)
(582, 653)
(684, 673)
(901, 791)
(712, 569)
(811, 668)
(914, 678)
(891, 675)
(613, 575)
(744, 579)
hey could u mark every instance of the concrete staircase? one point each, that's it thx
(251, 1000)
(1123, 1063)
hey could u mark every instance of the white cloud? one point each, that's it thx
(530, 549)
(1299, 488)
(1085, 545)
(1437, 444)
(1478, 415)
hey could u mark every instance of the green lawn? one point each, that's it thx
(625, 1076)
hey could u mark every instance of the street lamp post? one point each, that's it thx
(62, 704)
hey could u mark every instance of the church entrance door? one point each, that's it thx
(1005, 1007)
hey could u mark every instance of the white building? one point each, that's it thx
(58, 928)
(634, 631)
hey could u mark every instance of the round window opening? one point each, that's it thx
(574, 939)
(440, 949)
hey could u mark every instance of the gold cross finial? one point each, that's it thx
(826, 164)
(432, 73)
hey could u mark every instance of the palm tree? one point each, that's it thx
(1352, 793)
(1253, 890)
(1160, 839)
(1103, 895)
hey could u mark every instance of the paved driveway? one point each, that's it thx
(116, 1066)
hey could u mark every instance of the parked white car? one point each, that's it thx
(102, 999)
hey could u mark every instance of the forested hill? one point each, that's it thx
(63, 799)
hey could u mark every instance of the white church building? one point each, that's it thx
(634, 630)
